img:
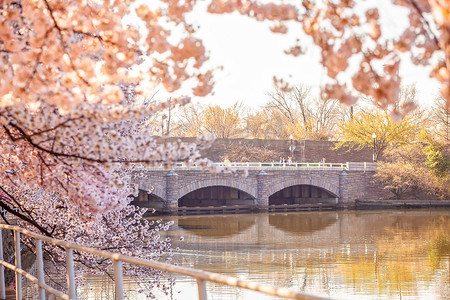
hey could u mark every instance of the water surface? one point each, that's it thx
(341, 255)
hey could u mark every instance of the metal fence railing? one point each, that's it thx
(201, 277)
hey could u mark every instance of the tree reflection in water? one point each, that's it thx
(402, 261)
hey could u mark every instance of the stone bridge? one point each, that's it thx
(265, 184)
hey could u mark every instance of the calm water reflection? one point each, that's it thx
(341, 255)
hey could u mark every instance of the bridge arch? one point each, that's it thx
(233, 183)
(148, 200)
(216, 196)
(158, 191)
(332, 188)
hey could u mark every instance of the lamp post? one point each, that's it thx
(374, 137)
(292, 147)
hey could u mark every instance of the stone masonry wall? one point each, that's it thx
(154, 181)
(360, 185)
(305, 150)
(373, 189)
(315, 150)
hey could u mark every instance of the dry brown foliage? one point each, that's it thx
(406, 175)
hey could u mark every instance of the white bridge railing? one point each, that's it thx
(269, 165)
(356, 166)
(283, 165)
(201, 277)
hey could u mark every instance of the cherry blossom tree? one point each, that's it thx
(68, 137)
(350, 34)
(71, 137)
(68, 176)
(124, 231)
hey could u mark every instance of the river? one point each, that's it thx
(387, 254)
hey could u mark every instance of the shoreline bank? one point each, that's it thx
(400, 204)
(357, 205)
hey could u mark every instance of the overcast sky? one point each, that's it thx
(251, 55)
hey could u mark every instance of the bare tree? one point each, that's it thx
(189, 120)
(441, 120)
(306, 116)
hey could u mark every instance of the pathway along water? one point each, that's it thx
(343, 255)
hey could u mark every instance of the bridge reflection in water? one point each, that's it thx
(339, 254)
(216, 226)
(302, 224)
(229, 225)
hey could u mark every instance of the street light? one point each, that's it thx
(374, 137)
(292, 147)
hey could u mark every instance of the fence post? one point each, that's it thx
(18, 265)
(118, 279)
(40, 268)
(71, 289)
(2, 268)
(201, 284)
